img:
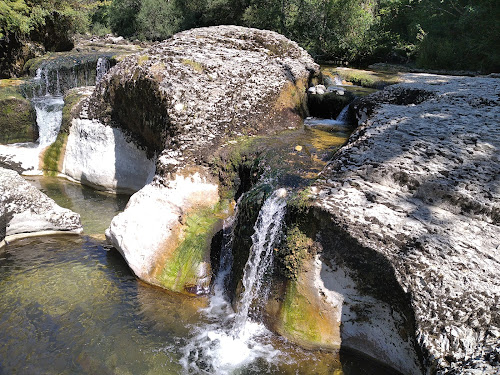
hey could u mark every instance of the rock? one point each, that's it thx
(93, 154)
(181, 100)
(25, 211)
(17, 115)
(417, 191)
(164, 233)
(193, 91)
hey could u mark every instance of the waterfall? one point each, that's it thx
(267, 229)
(101, 69)
(342, 116)
(232, 341)
(48, 117)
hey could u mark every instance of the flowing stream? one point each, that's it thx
(70, 305)
(236, 341)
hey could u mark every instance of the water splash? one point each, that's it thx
(233, 341)
(48, 117)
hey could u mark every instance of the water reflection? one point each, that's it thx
(96, 208)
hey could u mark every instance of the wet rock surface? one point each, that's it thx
(24, 210)
(419, 184)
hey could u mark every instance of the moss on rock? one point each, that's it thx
(17, 115)
(187, 268)
(53, 155)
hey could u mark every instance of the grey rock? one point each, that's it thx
(419, 184)
(191, 93)
(24, 210)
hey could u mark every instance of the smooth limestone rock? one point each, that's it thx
(25, 211)
(96, 155)
(181, 100)
(417, 190)
(162, 234)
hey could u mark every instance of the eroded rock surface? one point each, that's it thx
(181, 100)
(24, 210)
(185, 96)
(419, 184)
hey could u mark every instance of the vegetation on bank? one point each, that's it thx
(436, 34)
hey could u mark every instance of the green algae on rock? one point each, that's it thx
(17, 115)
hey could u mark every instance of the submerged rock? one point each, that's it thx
(181, 100)
(417, 190)
(25, 211)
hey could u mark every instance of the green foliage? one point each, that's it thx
(293, 252)
(123, 16)
(14, 17)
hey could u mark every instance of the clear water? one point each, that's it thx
(70, 305)
(96, 208)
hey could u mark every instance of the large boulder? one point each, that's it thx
(412, 208)
(25, 211)
(182, 100)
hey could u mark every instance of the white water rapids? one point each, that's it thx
(236, 340)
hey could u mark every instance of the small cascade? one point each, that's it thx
(338, 124)
(51, 80)
(101, 69)
(48, 117)
(232, 341)
(337, 81)
(342, 117)
(260, 260)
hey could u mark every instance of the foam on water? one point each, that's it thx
(234, 340)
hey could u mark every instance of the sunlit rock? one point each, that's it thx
(25, 211)
(412, 207)
(180, 101)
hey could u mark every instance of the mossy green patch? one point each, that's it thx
(71, 99)
(53, 154)
(292, 253)
(239, 157)
(17, 115)
(181, 270)
(298, 315)
(363, 78)
(198, 67)
(142, 60)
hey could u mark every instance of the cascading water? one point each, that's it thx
(48, 117)
(235, 340)
(101, 69)
(260, 260)
(48, 107)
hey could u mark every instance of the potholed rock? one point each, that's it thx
(412, 204)
(180, 101)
